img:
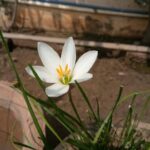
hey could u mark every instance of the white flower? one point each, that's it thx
(62, 71)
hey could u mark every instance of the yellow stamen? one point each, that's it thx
(68, 72)
(59, 73)
(64, 74)
(66, 68)
(61, 70)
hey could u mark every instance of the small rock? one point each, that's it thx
(14, 59)
(121, 73)
(111, 78)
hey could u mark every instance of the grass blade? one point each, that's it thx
(128, 131)
(49, 126)
(100, 130)
(73, 106)
(77, 144)
(37, 77)
(86, 100)
(24, 145)
(42, 86)
(98, 110)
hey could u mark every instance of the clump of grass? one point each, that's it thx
(101, 134)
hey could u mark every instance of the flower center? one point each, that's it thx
(64, 74)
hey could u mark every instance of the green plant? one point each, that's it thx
(100, 135)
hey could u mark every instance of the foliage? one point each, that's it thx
(100, 135)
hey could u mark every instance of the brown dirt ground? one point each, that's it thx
(109, 74)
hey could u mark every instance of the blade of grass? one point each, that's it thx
(86, 99)
(61, 120)
(109, 116)
(77, 114)
(127, 116)
(12, 136)
(128, 97)
(37, 77)
(48, 124)
(78, 144)
(147, 146)
(144, 108)
(73, 106)
(39, 101)
(24, 145)
(127, 131)
(98, 110)
(42, 86)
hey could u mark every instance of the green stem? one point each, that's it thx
(77, 115)
(73, 106)
(86, 100)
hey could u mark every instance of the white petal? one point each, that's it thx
(49, 57)
(83, 78)
(85, 63)
(68, 55)
(56, 90)
(42, 73)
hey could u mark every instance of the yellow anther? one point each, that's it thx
(59, 73)
(68, 72)
(66, 68)
(61, 70)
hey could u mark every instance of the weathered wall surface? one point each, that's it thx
(16, 121)
(111, 3)
(80, 23)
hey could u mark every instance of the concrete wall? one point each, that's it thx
(75, 22)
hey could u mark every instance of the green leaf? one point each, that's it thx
(98, 111)
(108, 118)
(144, 108)
(73, 106)
(24, 145)
(147, 146)
(37, 78)
(50, 100)
(128, 127)
(49, 126)
(79, 145)
(86, 100)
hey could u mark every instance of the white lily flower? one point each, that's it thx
(62, 71)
